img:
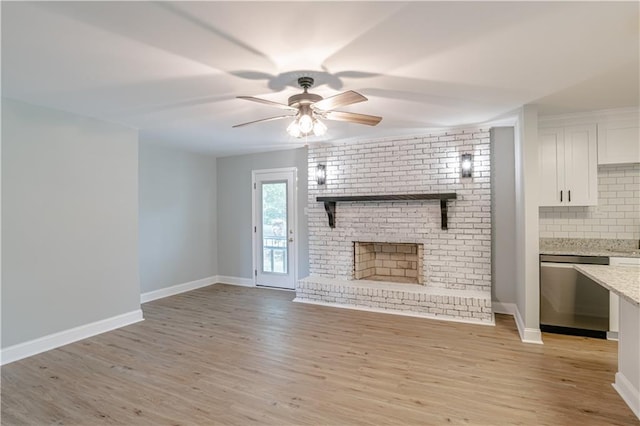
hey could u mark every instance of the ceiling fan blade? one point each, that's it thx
(262, 120)
(339, 100)
(267, 102)
(369, 120)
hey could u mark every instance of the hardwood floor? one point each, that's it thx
(234, 355)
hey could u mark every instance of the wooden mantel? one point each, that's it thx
(330, 202)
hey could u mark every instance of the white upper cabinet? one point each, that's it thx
(551, 145)
(618, 142)
(568, 166)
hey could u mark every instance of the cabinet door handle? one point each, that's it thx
(569, 195)
(561, 196)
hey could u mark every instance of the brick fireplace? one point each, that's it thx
(452, 267)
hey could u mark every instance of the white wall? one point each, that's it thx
(69, 221)
(617, 215)
(177, 215)
(503, 215)
(234, 209)
(527, 239)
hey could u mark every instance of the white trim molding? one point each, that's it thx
(55, 340)
(503, 308)
(177, 289)
(244, 282)
(527, 335)
(589, 116)
(626, 390)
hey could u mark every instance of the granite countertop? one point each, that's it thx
(572, 251)
(622, 280)
(589, 247)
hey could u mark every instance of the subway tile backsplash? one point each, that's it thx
(617, 215)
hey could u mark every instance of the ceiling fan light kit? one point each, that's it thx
(306, 123)
(310, 107)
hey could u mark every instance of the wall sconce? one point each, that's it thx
(321, 174)
(466, 165)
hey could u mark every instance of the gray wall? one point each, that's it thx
(69, 221)
(503, 214)
(177, 215)
(234, 209)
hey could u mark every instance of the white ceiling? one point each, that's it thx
(173, 70)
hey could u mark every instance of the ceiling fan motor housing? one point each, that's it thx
(304, 98)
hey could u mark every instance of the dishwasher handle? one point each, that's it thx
(557, 265)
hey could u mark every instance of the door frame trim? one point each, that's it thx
(293, 261)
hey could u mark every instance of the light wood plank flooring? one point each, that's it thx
(234, 355)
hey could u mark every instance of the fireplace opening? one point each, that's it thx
(392, 262)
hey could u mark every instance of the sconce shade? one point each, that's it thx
(321, 174)
(466, 165)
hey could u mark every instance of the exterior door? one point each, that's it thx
(274, 227)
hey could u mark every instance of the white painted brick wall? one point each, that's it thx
(617, 215)
(457, 258)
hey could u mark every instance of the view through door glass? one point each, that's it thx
(274, 228)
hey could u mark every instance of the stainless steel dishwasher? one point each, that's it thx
(571, 303)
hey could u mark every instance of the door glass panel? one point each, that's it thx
(274, 228)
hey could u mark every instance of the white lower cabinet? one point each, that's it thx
(614, 314)
(614, 301)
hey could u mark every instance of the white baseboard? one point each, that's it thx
(503, 308)
(244, 282)
(177, 289)
(527, 335)
(630, 395)
(266, 287)
(52, 341)
(388, 311)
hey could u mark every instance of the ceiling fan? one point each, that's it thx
(309, 108)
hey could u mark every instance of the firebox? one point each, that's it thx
(392, 262)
